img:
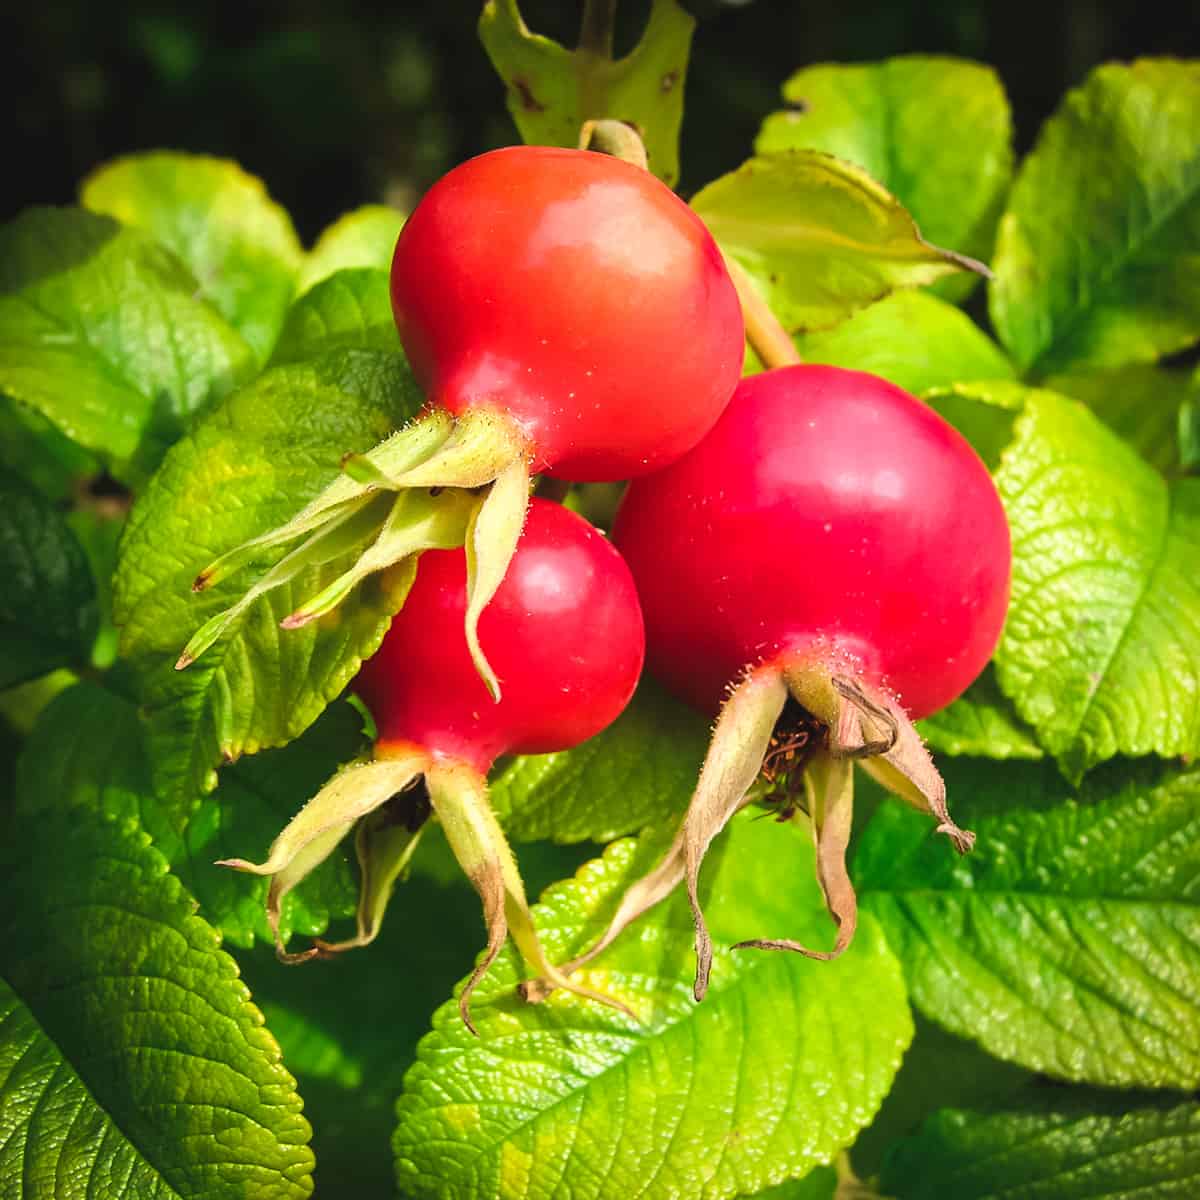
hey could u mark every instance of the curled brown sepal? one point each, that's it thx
(458, 794)
(312, 835)
(740, 739)
(829, 790)
(868, 725)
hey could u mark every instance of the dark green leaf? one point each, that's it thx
(365, 237)
(551, 91)
(1068, 941)
(938, 1071)
(1096, 261)
(819, 237)
(48, 615)
(88, 753)
(574, 1098)
(641, 769)
(247, 468)
(350, 309)
(102, 332)
(134, 1063)
(1142, 403)
(1058, 1145)
(237, 242)
(32, 447)
(936, 132)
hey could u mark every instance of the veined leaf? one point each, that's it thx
(1068, 941)
(640, 770)
(912, 339)
(574, 1097)
(236, 240)
(247, 468)
(1096, 260)
(980, 722)
(348, 310)
(819, 236)
(1142, 403)
(1100, 650)
(101, 331)
(936, 132)
(365, 237)
(1054, 1145)
(48, 613)
(133, 1063)
(87, 754)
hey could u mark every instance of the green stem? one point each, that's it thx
(596, 27)
(767, 337)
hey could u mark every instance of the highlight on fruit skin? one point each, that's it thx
(565, 633)
(565, 313)
(837, 566)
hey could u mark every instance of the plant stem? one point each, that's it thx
(596, 27)
(765, 334)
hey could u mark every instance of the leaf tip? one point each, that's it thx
(184, 661)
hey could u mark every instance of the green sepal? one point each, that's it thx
(313, 834)
(459, 797)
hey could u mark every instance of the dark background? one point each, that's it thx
(336, 104)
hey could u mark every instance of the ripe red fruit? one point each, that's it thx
(567, 314)
(576, 295)
(565, 634)
(829, 513)
(837, 554)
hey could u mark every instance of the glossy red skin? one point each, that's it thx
(577, 293)
(828, 512)
(563, 633)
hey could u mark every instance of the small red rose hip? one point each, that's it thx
(830, 563)
(565, 634)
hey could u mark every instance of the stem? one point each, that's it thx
(768, 338)
(596, 27)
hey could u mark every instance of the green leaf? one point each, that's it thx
(575, 1098)
(245, 469)
(351, 309)
(101, 332)
(1099, 650)
(911, 338)
(551, 91)
(819, 1184)
(33, 448)
(981, 722)
(936, 132)
(1057, 1145)
(88, 753)
(938, 1071)
(1142, 403)
(639, 770)
(349, 1029)
(1096, 260)
(365, 237)
(237, 242)
(819, 237)
(48, 615)
(1068, 941)
(134, 1063)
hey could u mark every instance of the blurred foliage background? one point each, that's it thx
(338, 104)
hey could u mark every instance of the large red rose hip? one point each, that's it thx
(829, 564)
